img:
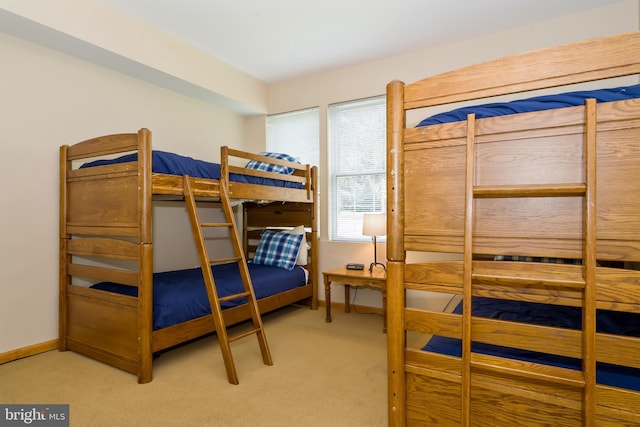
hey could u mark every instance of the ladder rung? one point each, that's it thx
(530, 190)
(215, 224)
(221, 260)
(554, 374)
(532, 281)
(234, 296)
(244, 334)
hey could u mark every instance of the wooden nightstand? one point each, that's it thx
(377, 279)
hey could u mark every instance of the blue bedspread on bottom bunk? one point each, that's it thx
(548, 315)
(181, 295)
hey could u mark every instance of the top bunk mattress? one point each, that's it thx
(174, 164)
(538, 103)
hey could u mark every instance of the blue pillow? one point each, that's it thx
(278, 249)
(270, 167)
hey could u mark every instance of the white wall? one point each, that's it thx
(370, 79)
(49, 99)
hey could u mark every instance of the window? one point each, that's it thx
(357, 168)
(296, 133)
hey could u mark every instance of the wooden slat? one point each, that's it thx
(103, 274)
(432, 322)
(103, 145)
(101, 247)
(417, 360)
(172, 185)
(617, 406)
(618, 350)
(519, 368)
(120, 231)
(542, 339)
(534, 190)
(279, 215)
(252, 156)
(238, 190)
(572, 63)
(103, 172)
(103, 297)
(264, 174)
(524, 281)
(521, 404)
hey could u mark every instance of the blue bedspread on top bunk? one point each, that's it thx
(181, 295)
(175, 164)
(545, 102)
(621, 323)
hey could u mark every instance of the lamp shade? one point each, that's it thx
(374, 224)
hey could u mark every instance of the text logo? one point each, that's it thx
(34, 415)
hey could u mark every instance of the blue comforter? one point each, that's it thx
(181, 295)
(175, 164)
(545, 102)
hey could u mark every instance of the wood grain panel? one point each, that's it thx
(105, 203)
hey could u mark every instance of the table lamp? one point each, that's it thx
(374, 225)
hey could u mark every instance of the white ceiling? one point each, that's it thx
(277, 40)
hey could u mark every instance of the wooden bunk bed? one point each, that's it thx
(561, 183)
(107, 303)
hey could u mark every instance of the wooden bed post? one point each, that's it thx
(314, 236)
(467, 282)
(396, 339)
(145, 259)
(63, 277)
(590, 293)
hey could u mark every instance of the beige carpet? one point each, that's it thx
(324, 374)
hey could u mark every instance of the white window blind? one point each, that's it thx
(296, 133)
(357, 156)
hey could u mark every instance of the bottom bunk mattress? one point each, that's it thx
(612, 322)
(181, 295)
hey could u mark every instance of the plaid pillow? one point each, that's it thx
(279, 249)
(269, 167)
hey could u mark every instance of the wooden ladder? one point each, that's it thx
(205, 262)
(584, 279)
